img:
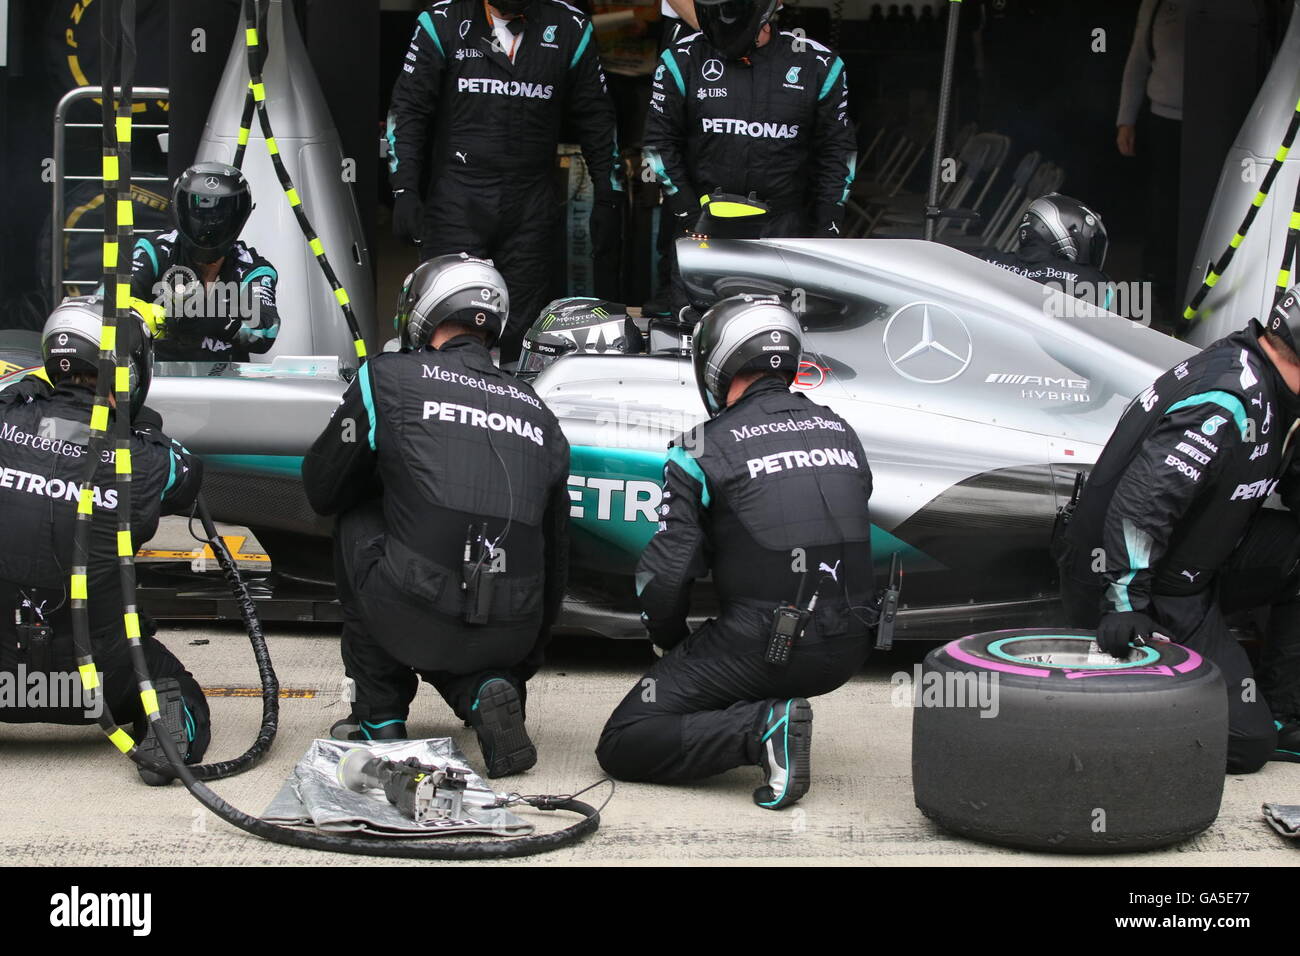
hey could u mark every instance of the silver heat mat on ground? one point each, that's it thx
(313, 796)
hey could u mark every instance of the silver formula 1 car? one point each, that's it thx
(978, 395)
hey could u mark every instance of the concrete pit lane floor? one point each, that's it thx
(68, 797)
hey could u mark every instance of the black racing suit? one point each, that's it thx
(1034, 260)
(774, 124)
(486, 129)
(424, 445)
(1172, 523)
(43, 447)
(226, 321)
(771, 496)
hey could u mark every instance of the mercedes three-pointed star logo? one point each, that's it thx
(927, 343)
(712, 70)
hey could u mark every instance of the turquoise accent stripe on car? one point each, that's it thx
(671, 63)
(1226, 400)
(689, 464)
(831, 77)
(288, 466)
(147, 246)
(582, 46)
(426, 21)
(363, 376)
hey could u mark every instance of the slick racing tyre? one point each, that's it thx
(1036, 739)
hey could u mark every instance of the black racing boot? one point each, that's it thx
(175, 721)
(352, 728)
(785, 742)
(1288, 741)
(497, 716)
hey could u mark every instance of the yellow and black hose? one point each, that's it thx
(1221, 266)
(118, 47)
(118, 39)
(1289, 250)
(255, 99)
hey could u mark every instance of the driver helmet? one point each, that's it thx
(1069, 228)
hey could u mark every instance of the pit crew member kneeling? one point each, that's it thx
(1173, 533)
(44, 434)
(771, 496)
(449, 477)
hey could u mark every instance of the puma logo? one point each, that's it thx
(1191, 575)
(832, 571)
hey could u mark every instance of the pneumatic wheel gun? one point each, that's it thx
(420, 792)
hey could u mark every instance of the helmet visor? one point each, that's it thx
(211, 223)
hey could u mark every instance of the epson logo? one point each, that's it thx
(1174, 461)
(738, 127)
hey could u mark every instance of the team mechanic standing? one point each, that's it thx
(450, 480)
(44, 434)
(1171, 532)
(482, 96)
(742, 108)
(771, 496)
(218, 294)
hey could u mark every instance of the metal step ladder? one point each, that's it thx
(61, 285)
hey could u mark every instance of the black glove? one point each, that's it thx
(408, 216)
(223, 328)
(1118, 628)
(606, 226)
(666, 635)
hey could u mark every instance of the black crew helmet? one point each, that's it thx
(744, 333)
(457, 288)
(211, 203)
(1069, 228)
(70, 344)
(732, 26)
(1284, 319)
